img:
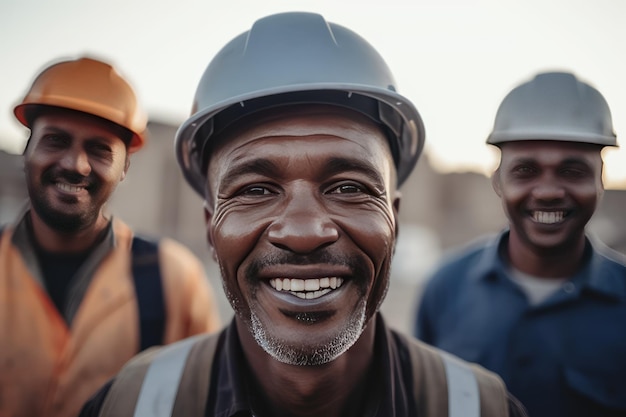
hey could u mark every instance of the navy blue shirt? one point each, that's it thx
(565, 356)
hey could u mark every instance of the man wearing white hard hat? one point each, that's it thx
(542, 304)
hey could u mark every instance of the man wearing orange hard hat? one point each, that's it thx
(80, 293)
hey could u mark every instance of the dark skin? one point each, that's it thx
(306, 195)
(73, 163)
(549, 191)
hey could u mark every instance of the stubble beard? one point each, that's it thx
(311, 355)
(54, 218)
(59, 220)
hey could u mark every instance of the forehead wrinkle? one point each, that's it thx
(329, 126)
(243, 165)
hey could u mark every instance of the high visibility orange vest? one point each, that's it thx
(49, 369)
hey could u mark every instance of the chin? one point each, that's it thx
(305, 350)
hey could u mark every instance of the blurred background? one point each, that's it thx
(455, 59)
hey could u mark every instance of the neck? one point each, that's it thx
(543, 263)
(53, 240)
(335, 389)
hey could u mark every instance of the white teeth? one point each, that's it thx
(296, 285)
(307, 288)
(548, 217)
(311, 284)
(68, 187)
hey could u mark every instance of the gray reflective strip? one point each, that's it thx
(463, 394)
(160, 385)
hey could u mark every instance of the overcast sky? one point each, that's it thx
(455, 59)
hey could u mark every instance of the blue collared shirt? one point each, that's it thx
(565, 356)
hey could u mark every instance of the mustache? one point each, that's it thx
(355, 263)
(70, 177)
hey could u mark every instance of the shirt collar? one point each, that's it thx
(490, 263)
(602, 273)
(605, 271)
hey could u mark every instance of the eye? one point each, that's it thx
(100, 149)
(55, 140)
(347, 188)
(524, 171)
(254, 190)
(574, 172)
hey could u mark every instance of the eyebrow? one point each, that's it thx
(575, 160)
(566, 161)
(61, 131)
(54, 129)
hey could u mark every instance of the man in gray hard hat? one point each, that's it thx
(540, 304)
(298, 142)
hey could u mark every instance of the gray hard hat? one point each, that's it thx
(291, 58)
(554, 106)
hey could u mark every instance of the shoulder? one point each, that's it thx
(610, 257)
(608, 270)
(435, 368)
(457, 264)
(169, 372)
(176, 255)
(468, 253)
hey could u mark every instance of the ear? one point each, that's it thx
(30, 137)
(208, 217)
(126, 166)
(495, 182)
(396, 208)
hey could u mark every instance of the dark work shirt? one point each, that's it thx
(390, 392)
(58, 270)
(564, 356)
(65, 276)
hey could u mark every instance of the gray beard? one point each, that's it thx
(311, 355)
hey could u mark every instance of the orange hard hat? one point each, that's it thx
(89, 86)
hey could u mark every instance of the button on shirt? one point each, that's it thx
(564, 356)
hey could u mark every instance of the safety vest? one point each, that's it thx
(49, 368)
(174, 382)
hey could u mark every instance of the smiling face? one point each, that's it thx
(73, 163)
(301, 216)
(549, 191)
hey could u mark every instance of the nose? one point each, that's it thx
(75, 159)
(549, 189)
(303, 225)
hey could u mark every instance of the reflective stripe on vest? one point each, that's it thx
(160, 384)
(463, 394)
